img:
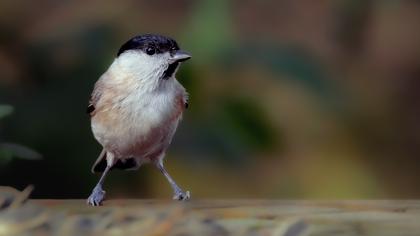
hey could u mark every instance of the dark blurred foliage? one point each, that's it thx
(288, 99)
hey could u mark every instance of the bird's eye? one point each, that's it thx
(173, 49)
(150, 50)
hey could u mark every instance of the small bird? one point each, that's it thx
(135, 108)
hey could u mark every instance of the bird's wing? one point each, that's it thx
(185, 100)
(95, 96)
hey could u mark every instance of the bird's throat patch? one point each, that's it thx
(170, 70)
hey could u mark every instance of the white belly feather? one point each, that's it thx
(140, 124)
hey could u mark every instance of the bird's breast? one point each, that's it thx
(138, 121)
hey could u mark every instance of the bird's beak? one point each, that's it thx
(179, 56)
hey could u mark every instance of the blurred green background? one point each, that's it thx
(288, 99)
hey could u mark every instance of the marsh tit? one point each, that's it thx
(135, 108)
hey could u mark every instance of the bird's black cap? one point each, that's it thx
(147, 42)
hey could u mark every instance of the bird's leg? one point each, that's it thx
(98, 194)
(178, 193)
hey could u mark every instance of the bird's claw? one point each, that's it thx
(97, 197)
(182, 196)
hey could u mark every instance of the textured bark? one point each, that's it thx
(207, 217)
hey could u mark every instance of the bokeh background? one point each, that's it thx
(289, 99)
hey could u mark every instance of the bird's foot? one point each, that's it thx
(182, 196)
(96, 197)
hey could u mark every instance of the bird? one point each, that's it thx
(135, 108)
